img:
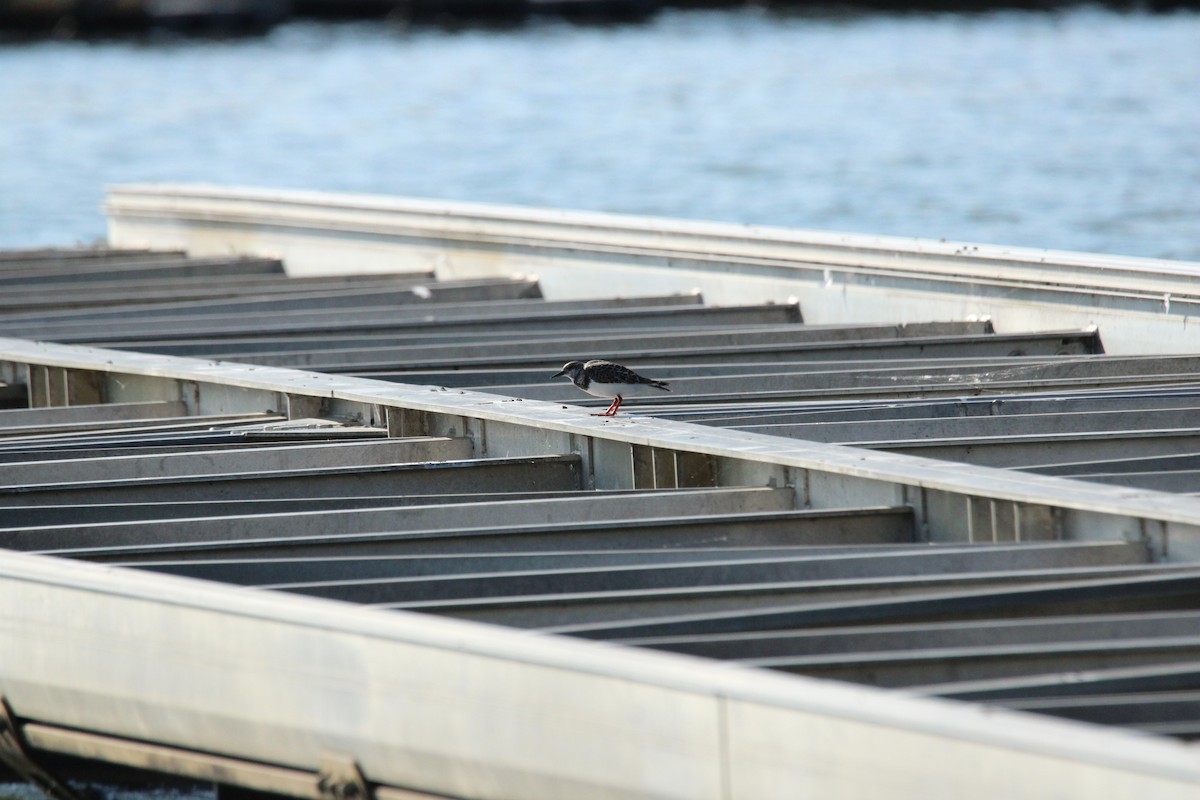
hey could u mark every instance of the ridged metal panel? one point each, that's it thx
(334, 493)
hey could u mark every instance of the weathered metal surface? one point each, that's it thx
(1142, 591)
(1001, 632)
(34, 420)
(382, 319)
(575, 610)
(786, 555)
(259, 571)
(1142, 304)
(93, 294)
(557, 712)
(540, 473)
(38, 257)
(498, 525)
(683, 352)
(745, 573)
(14, 276)
(243, 459)
(603, 332)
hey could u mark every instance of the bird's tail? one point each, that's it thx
(661, 385)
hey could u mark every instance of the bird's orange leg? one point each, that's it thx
(612, 409)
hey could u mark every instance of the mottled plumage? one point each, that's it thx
(606, 379)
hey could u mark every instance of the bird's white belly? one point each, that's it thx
(609, 390)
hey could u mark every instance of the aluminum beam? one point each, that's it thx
(681, 351)
(641, 520)
(558, 611)
(629, 328)
(239, 460)
(384, 319)
(1140, 303)
(900, 638)
(895, 670)
(1145, 592)
(33, 258)
(21, 437)
(70, 273)
(30, 420)
(742, 572)
(261, 571)
(540, 473)
(91, 294)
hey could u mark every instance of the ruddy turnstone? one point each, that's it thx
(606, 379)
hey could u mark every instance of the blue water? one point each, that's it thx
(1077, 129)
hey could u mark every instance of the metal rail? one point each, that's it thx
(1141, 304)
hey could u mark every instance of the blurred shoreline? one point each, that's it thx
(67, 19)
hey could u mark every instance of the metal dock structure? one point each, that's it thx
(289, 504)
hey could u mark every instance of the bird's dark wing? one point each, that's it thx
(608, 372)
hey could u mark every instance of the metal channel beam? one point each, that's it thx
(25, 517)
(32, 258)
(213, 267)
(564, 717)
(640, 520)
(31, 420)
(777, 569)
(275, 432)
(24, 436)
(900, 638)
(1181, 481)
(383, 319)
(1014, 405)
(681, 351)
(1171, 712)
(239, 460)
(283, 302)
(168, 321)
(601, 339)
(883, 433)
(91, 294)
(1033, 451)
(559, 612)
(1131, 594)
(101, 447)
(902, 670)
(1155, 463)
(553, 513)
(539, 473)
(261, 571)
(713, 334)
(1183, 675)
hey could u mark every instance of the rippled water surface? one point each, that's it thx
(1076, 130)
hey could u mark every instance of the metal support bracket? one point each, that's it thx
(341, 779)
(15, 755)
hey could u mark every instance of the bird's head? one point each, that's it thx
(571, 369)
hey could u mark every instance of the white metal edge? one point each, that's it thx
(666, 434)
(930, 726)
(135, 198)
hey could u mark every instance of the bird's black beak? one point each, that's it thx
(559, 373)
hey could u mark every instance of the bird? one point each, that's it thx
(606, 379)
